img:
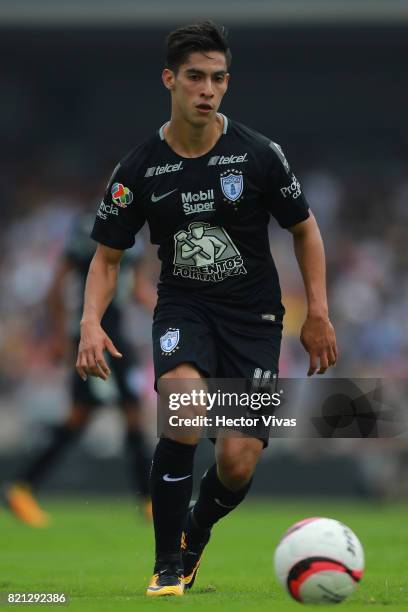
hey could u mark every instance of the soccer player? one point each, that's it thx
(75, 262)
(206, 185)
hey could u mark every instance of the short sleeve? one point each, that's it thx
(283, 197)
(120, 216)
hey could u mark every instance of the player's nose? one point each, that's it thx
(208, 90)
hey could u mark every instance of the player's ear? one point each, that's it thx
(168, 78)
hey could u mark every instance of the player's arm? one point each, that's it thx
(56, 307)
(144, 290)
(99, 290)
(317, 335)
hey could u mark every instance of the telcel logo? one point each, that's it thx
(218, 160)
(156, 170)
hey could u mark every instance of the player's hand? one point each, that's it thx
(91, 360)
(319, 340)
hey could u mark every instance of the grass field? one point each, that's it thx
(100, 553)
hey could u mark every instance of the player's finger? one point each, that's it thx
(82, 366)
(334, 348)
(101, 362)
(101, 373)
(312, 364)
(112, 348)
(102, 367)
(332, 356)
(94, 369)
(81, 373)
(324, 362)
(88, 364)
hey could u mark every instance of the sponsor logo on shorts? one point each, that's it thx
(156, 170)
(206, 253)
(121, 195)
(169, 342)
(221, 160)
(232, 185)
(264, 379)
(197, 202)
(293, 190)
(106, 209)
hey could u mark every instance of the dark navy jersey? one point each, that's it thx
(209, 215)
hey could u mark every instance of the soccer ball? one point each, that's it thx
(319, 560)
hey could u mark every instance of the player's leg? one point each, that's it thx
(171, 483)
(223, 487)
(245, 343)
(19, 494)
(184, 353)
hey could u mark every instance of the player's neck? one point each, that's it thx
(191, 141)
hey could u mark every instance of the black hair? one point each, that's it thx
(201, 37)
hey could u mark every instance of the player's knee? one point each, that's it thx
(184, 380)
(180, 404)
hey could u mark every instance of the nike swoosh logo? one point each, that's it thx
(168, 478)
(217, 501)
(158, 198)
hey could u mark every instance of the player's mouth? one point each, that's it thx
(204, 108)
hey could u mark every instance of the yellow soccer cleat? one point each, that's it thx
(23, 505)
(167, 581)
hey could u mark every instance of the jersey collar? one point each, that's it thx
(224, 129)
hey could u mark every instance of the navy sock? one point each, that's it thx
(215, 500)
(171, 483)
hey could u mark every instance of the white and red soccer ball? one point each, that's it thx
(319, 560)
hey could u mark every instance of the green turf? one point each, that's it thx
(100, 553)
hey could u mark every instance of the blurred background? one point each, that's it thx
(81, 86)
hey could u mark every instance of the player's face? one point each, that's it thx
(198, 86)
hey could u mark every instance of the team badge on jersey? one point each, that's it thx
(232, 185)
(121, 195)
(169, 341)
